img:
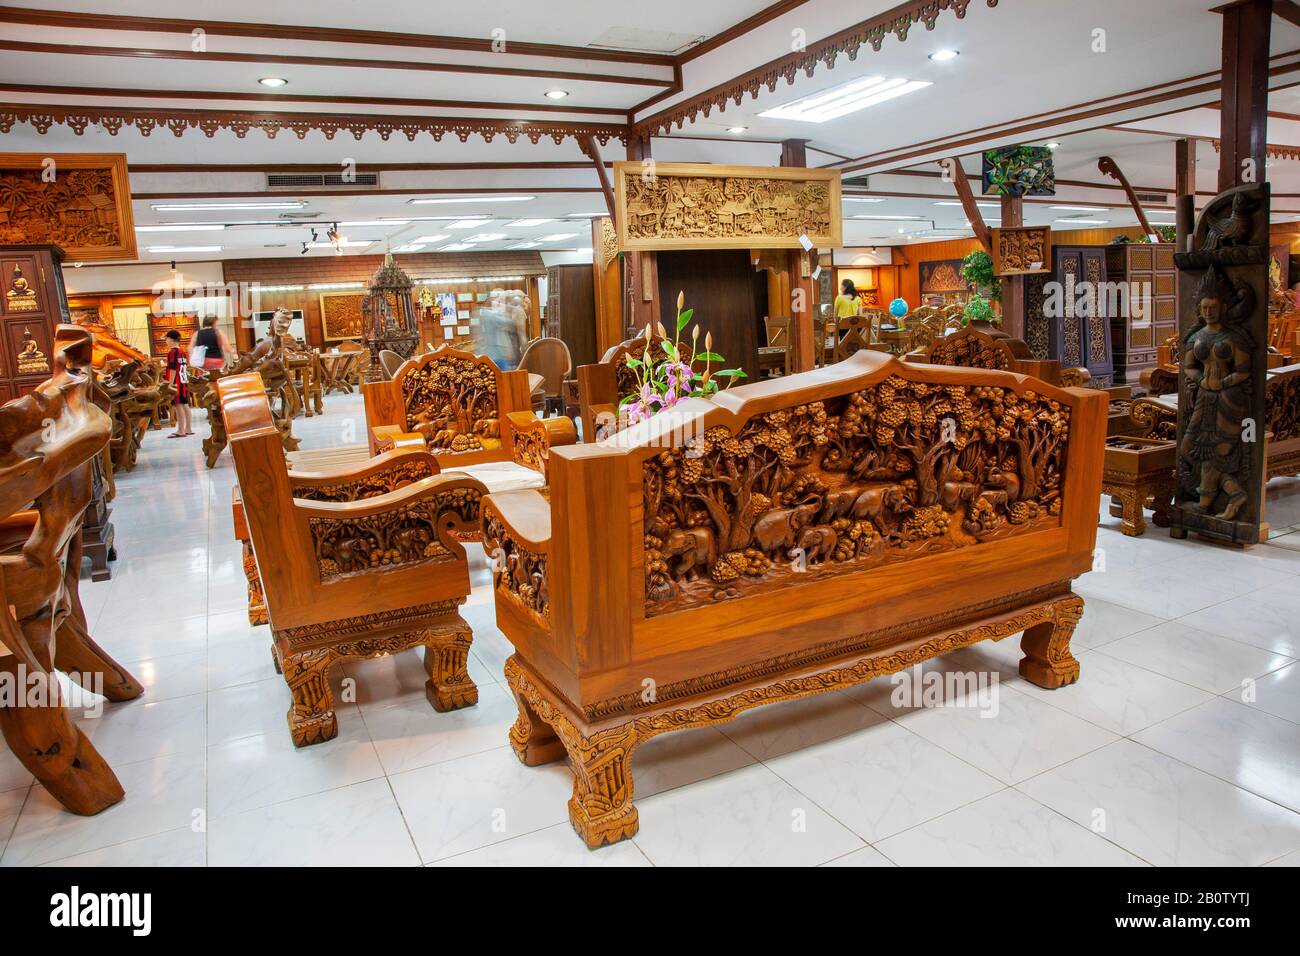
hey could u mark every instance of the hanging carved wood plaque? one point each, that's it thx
(707, 206)
(1022, 250)
(340, 315)
(80, 202)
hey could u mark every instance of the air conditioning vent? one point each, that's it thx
(320, 180)
(1160, 199)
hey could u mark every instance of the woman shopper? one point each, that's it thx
(216, 347)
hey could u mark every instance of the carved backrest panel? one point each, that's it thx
(450, 397)
(1282, 394)
(368, 486)
(972, 347)
(893, 471)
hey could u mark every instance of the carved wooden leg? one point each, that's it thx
(601, 807)
(533, 739)
(46, 741)
(1048, 661)
(311, 718)
(446, 652)
(1134, 520)
(256, 598)
(75, 653)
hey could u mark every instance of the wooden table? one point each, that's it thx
(337, 367)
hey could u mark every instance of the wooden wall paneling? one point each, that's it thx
(571, 311)
(719, 285)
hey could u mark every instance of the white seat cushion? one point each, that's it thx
(501, 475)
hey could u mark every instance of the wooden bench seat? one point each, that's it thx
(788, 537)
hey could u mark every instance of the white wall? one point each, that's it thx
(90, 279)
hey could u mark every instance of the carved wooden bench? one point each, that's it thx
(786, 538)
(345, 579)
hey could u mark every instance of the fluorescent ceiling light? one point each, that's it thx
(862, 199)
(203, 207)
(557, 236)
(844, 99)
(586, 215)
(982, 205)
(1080, 208)
(524, 223)
(486, 237)
(942, 56)
(467, 223)
(1085, 222)
(410, 247)
(345, 243)
(376, 223)
(337, 285)
(525, 245)
(430, 239)
(901, 218)
(457, 247)
(487, 198)
(184, 248)
(181, 227)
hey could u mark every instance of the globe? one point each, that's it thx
(898, 308)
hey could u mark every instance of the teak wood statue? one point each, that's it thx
(346, 578)
(782, 539)
(1223, 286)
(49, 440)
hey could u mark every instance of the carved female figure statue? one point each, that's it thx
(1217, 363)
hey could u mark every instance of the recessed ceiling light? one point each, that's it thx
(273, 81)
(487, 198)
(556, 94)
(737, 129)
(1053, 146)
(524, 223)
(844, 98)
(940, 56)
(167, 249)
(201, 207)
(183, 227)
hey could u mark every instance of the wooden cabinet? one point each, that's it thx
(571, 311)
(159, 325)
(34, 302)
(1067, 322)
(1146, 303)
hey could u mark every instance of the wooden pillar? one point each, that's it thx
(1013, 287)
(1223, 308)
(641, 269)
(1243, 119)
(610, 324)
(803, 289)
(1184, 191)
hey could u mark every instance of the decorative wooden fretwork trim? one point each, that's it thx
(179, 121)
(899, 21)
(348, 627)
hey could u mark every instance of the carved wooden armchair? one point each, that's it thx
(1162, 378)
(348, 579)
(786, 538)
(979, 345)
(50, 441)
(131, 417)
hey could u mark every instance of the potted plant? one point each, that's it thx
(979, 310)
(666, 372)
(977, 269)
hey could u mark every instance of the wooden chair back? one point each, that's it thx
(853, 334)
(982, 346)
(549, 358)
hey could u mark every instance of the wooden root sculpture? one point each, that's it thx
(48, 441)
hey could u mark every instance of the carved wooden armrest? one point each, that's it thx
(1154, 417)
(1075, 377)
(517, 539)
(605, 419)
(417, 524)
(532, 438)
(379, 475)
(392, 437)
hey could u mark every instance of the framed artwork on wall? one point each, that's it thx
(941, 277)
(80, 202)
(340, 315)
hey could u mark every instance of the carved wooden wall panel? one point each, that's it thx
(78, 201)
(340, 316)
(1022, 250)
(705, 206)
(896, 471)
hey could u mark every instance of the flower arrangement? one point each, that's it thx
(665, 379)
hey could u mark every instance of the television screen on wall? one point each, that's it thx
(1019, 171)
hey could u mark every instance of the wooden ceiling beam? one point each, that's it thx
(968, 204)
